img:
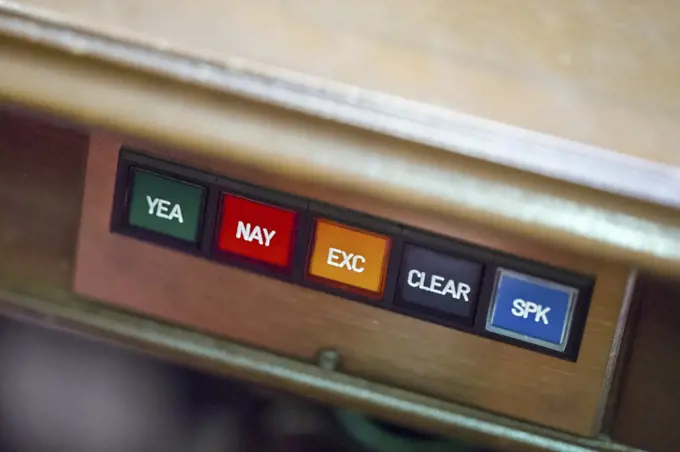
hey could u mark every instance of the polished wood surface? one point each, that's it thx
(595, 72)
(649, 406)
(456, 76)
(375, 344)
(313, 151)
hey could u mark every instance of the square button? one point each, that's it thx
(530, 309)
(346, 256)
(438, 284)
(258, 231)
(165, 205)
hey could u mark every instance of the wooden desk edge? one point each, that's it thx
(381, 112)
(574, 217)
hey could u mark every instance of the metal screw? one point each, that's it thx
(328, 359)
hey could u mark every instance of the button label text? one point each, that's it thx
(246, 232)
(163, 210)
(438, 284)
(339, 258)
(521, 308)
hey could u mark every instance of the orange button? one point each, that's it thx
(349, 256)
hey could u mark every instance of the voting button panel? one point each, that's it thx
(352, 255)
(532, 310)
(257, 231)
(349, 256)
(438, 284)
(165, 205)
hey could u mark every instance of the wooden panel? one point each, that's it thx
(42, 169)
(43, 164)
(649, 406)
(375, 344)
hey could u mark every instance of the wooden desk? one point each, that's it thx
(553, 124)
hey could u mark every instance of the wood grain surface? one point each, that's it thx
(601, 73)
(315, 151)
(375, 344)
(428, 121)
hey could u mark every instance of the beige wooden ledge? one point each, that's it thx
(601, 77)
(106, 71)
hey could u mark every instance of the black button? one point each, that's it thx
(437, 284)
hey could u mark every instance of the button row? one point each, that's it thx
(350, 254)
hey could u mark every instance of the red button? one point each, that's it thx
(258, 231)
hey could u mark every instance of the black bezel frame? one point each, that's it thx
(129, 159)
(307, 210)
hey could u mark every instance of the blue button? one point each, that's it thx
(531, 309)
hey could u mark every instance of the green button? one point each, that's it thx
(165, 205)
